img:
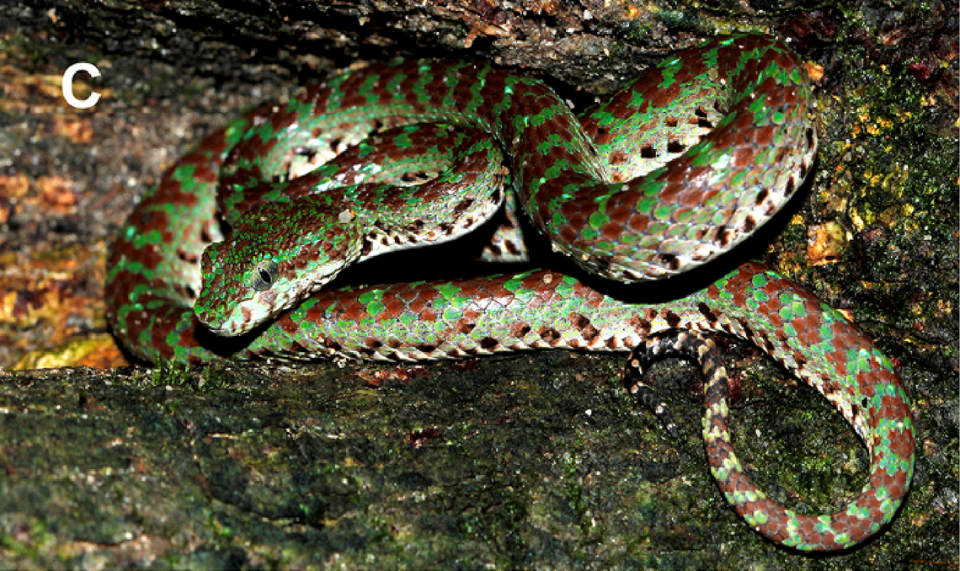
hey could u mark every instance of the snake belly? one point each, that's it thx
(154, 275)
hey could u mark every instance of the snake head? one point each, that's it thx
(268, 264)
(238, 296)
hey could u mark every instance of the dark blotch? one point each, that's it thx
(724, 235)
(521, 330)
(308, 152)
(670, 261)
(762, 195)
(673, 320)
(705, 310)
(417, 176)
(185, 256)
(550, 335)
(580, 321)
(333, 345)
(590, 333)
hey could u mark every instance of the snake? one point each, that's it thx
(228, 256)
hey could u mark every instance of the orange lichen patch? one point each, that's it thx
(12, 189)
(13, 186)
(52, 194)
(27, 307)
(825, 243)
(19, 87)
(44, 296)
(814, 70)
(99, 352)
(57, 194)
(22, 92)
(73, 127)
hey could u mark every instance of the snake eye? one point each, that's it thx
(264, 275)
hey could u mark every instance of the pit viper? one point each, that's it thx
(226, 257)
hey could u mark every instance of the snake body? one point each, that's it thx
(636, 189)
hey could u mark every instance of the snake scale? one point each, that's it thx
(665, 175)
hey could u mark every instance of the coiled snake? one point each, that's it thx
(664, 176)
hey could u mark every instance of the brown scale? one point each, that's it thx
(520, 329)
(550, 336)
(464, 326)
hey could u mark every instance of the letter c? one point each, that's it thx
(68, 85)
